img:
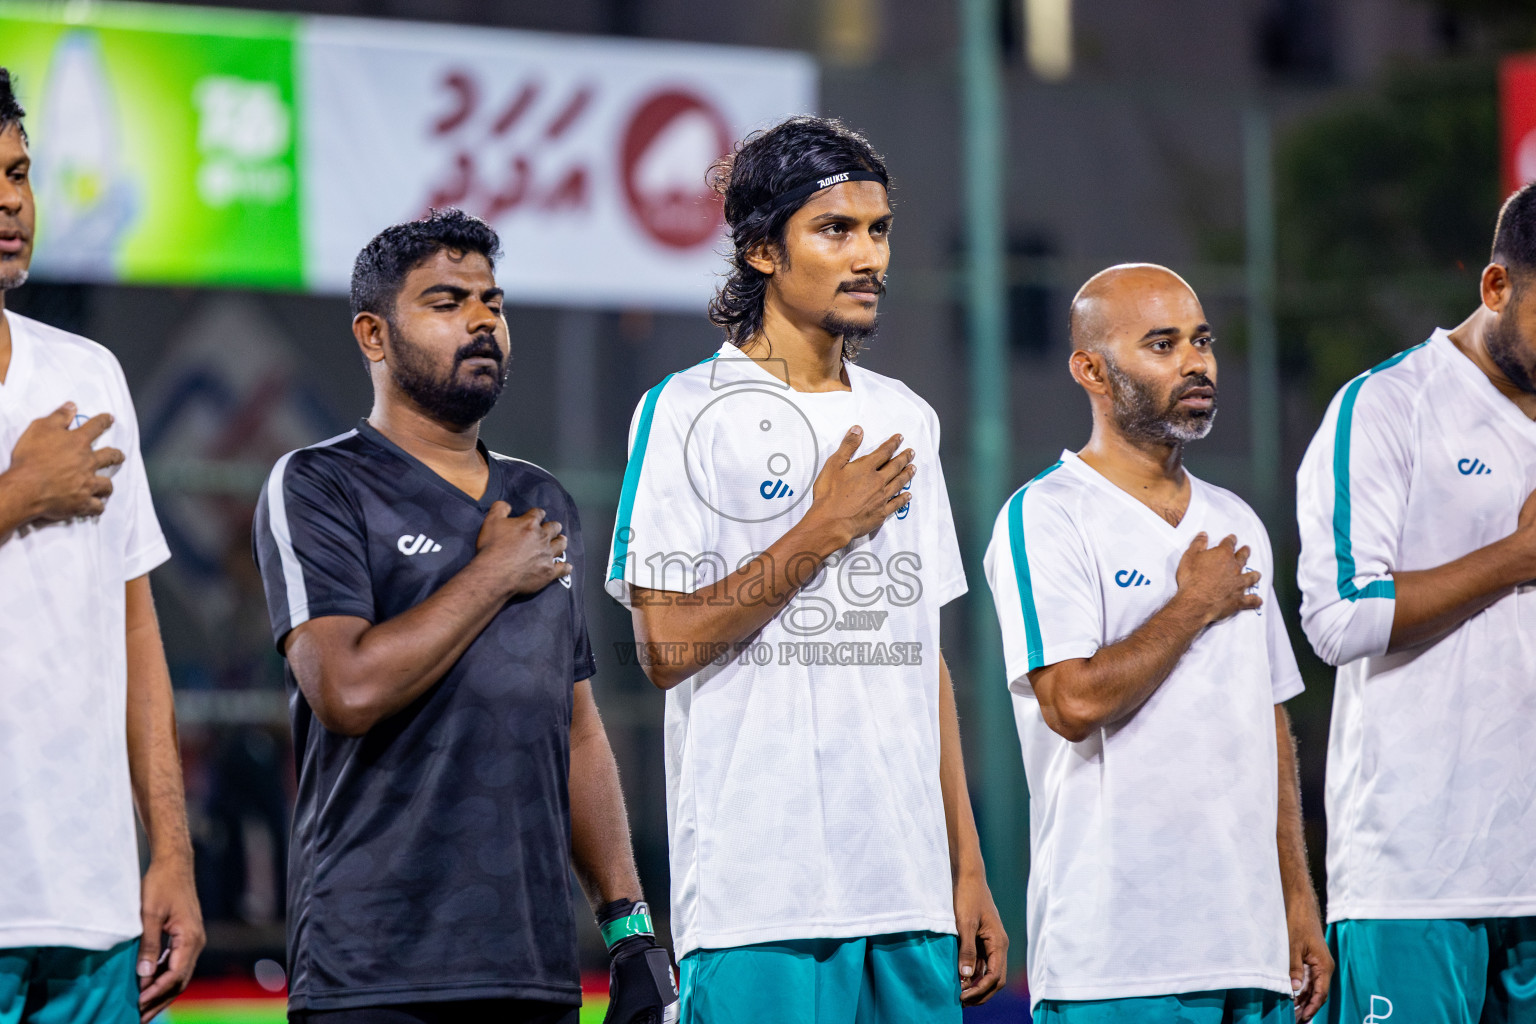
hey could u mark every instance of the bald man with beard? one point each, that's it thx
(1148, 663)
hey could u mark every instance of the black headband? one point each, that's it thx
(783, 199)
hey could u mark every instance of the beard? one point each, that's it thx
(448, 398)
(1504, 345)
(1144, 415)
(12, 279)
(854, 332)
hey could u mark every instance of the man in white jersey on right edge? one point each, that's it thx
(1148, 661)
(1418, 576)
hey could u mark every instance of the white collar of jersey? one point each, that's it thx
(21, 353)
(1071, 460)
(732, 367)
(1478, 381)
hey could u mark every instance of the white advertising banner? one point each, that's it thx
(588, 155)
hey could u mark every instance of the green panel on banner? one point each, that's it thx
(164, 141)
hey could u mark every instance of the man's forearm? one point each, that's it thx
(355, 675)
(169, 911)
(1295, 878)
(730, 610)
(600, 842)
(960, 822)
(1082, 695)
(154, 762)
(1311, 963)
(16, 505)
(1432, 602)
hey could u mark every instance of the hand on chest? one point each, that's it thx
(43, 397)
(753, 454)
(421, 534)
(1138, 572)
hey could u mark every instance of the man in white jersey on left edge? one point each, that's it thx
(784, 570)
(1148, 663)
(88, 729)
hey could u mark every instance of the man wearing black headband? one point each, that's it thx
(784, 542)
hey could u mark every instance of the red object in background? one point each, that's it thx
(1517, 115)
(237, 987)
(682, 212)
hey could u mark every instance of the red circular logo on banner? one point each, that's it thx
(671, 140)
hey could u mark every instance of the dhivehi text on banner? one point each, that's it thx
(587, 154)
(182, 145)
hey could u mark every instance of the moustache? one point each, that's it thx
(863, 284)
(481, 346)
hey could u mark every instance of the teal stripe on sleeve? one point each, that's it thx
(1017, 548)
(1343, 547)
(623, 532)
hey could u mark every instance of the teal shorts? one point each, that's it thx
(1477, 971)
(58, 985)
(1221, 1006)
(908, 978)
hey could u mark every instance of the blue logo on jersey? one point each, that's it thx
(80, 418)
(1131, 578)
(1472, 467)
(1253, 590)
(901, 513)
(771, 489)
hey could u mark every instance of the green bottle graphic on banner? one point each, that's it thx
(164, 142)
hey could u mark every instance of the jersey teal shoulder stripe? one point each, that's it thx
(1020, 554)
(1343, 548)
(623, 532)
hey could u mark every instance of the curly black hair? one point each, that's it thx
(766, 164)
(382, 266)
(10, 110)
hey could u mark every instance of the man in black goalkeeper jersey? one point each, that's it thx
(427, 595)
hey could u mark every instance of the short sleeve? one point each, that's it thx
(144, 546)
(1352, 494)
(310, 546)
(944, 544)
(661, 535)
(583, 662)
(1043, 587)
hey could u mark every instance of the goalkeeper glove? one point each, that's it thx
(641, 988)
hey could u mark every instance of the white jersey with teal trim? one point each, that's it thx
(68, 846)
(1153, 866)
(803, 791)
(1431, 764)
